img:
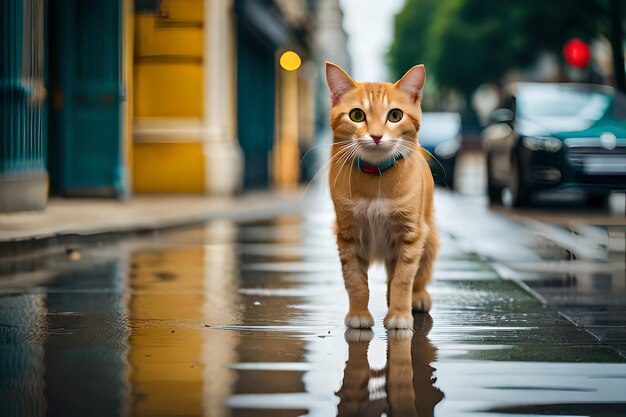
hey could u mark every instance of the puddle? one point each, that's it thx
(247, 320)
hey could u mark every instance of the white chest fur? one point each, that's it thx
(372, 209)
(376, 226)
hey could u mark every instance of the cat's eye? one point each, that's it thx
(357, 115)
(395, 115)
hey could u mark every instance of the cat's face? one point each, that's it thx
(380, 120)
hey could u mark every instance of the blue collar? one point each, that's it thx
(377, 169)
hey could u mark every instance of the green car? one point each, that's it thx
(548, 137)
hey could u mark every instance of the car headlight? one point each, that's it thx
(448, 148)
(542, 144)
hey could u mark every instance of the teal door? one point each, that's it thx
(255, 105)
(86, 142)
(260, 32)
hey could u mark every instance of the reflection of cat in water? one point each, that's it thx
(403, 388)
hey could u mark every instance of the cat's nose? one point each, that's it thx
(376, 139)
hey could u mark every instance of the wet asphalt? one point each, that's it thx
(246, 319)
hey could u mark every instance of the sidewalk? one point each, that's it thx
(92, 218)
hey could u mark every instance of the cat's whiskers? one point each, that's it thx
(401, 146)
(322, 144)
(350, 155)
(350, 175)
(445, 174)
(421, 173)
(326, 165)
(391, 146)
(344, 161)
(341, 155)
(406, 145)
(418, 166)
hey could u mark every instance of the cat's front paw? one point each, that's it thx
(398, 321)
(359, 321)
(422, 301)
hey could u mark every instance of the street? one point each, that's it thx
(246, 319)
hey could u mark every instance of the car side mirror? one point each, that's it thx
(502, 116)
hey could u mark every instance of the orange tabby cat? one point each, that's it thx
(382, 190)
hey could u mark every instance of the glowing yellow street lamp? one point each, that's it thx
(290, 61)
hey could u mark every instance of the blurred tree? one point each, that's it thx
(410, 43)
(465, 43)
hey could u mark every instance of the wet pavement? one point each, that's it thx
(246, 319)
(571, 256)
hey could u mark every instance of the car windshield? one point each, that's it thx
(437, 127)
(562, 106)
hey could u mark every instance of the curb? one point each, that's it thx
(239, 211)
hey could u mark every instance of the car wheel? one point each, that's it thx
(494, 191)
(597, 200)
(520, 194)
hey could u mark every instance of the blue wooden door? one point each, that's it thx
(86, 154)
(255, 105)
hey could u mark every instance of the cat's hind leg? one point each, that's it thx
(421, 301)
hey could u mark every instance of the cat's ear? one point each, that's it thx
(339, 82)
(412, 82)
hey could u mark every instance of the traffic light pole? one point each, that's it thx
(617, 39)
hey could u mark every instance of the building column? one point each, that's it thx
(128, 58)
(286, 152)
(223, 156)
(23, 175)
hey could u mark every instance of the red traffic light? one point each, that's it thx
(577, 53)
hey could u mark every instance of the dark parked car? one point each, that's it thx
(557, 136)
(440, 135)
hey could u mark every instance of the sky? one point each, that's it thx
(369, 24)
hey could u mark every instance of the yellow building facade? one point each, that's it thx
(183, 130)
(182, 75)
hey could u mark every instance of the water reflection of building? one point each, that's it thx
(179, 290)
(22, 369)
(113, 335)
(86, 342)
(64, 349)
(166, 343)
(221, 295)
